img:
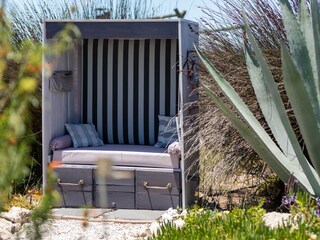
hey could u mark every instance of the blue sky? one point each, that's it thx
(191, 6)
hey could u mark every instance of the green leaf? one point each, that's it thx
(233, 97)
(310, 30)
(267, 150)
(302, 107)
(314, 44)
(268, 97)
(300, 54)
(273, 110)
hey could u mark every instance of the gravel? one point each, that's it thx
(75, 230)
(62, 229)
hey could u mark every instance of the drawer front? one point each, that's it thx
(75, 199)
(125, 200)
(156, 201)
(158, 182)
(75, 178)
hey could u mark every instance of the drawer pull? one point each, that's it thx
(80, 183)
(168, 186)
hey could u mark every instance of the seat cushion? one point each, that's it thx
(121, 155)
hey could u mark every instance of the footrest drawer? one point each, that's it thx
(157, 190)
(125, 200)
(156, 201)
(75, 184)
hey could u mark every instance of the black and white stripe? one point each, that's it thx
(126, 85)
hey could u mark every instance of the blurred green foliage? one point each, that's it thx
(235, 225)
(20, 71)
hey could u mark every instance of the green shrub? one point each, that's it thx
(237, 224)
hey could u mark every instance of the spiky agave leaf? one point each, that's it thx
(300, 54)
(273, 109)
(301, 86)
(253, 132)
(300, 82)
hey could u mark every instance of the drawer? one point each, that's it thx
(157, 190)
(125, 200)
(75, 199)
(75, 185)
(120, 189)
(166, 182)
(75, 178)
(156, 201)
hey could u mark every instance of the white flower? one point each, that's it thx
(184, 213)
(179, 223)
(166, 217)
(173, 212)
(313, 237)
(154, 228)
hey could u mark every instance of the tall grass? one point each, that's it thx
(27, 16)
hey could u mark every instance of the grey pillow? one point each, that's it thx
(84, 135)
(167, 131)
(61, 142)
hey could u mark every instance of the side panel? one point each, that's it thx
(188, 108)
(58, 107)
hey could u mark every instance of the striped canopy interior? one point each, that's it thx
(126, 85)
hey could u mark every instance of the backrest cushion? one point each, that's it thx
(126, 84)
(83, 135)
(167, 131)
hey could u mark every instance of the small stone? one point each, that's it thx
(16, 215)
(23, 232)
(6, 225)
(16, 227)
(276, 219)
(5, 235)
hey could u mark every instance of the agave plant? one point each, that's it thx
(301, 73)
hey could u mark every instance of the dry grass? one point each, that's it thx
(27, 16)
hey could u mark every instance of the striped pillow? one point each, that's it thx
(84, 135)
(167, 131)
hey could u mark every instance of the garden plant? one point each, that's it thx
(301, 77)
(200, 223)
